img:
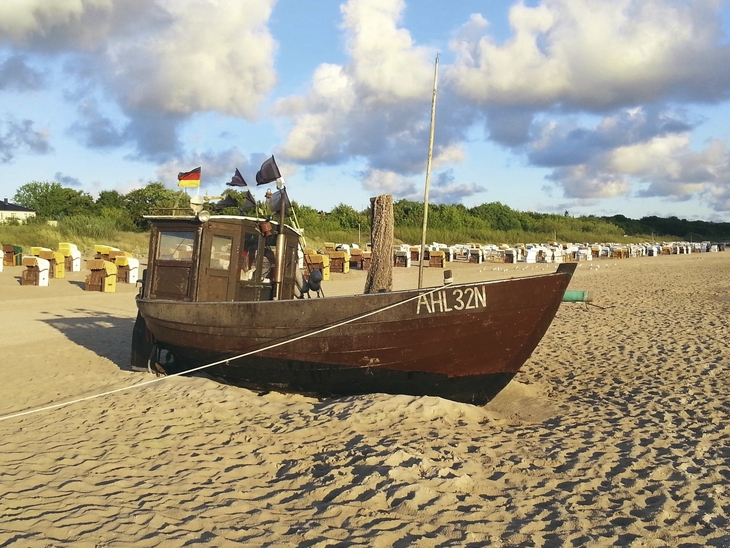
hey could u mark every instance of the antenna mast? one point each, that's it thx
(428, 174)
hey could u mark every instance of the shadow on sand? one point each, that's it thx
(104, 334)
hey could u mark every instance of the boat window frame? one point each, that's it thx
(154, 263)
(229, 256)
(162, 233)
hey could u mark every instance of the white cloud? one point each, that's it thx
(586, 182)
(595, 54)
(381, 94)
(386, 65)
(157, 59)
(443, 188)
(663, 166)
(389, 182)
(213, 56)
(376, 106)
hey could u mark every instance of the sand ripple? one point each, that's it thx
(616, 433)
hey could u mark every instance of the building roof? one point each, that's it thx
(7, 206)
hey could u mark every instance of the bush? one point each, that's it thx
(85, 226)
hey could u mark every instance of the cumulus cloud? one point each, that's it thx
(158, 60)
(443, 187)
(595, 55)
(565, 59)
(624, 61)
(376, 106)
(635, 153)
(20, 136)
(566, 141)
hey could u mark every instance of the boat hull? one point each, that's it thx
(462, 342)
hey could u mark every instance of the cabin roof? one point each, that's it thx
(217, 218)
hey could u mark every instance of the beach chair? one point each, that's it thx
(103, 276)
(12, 255)
(36, 271)
(127, 269)
(104, 251)
(356, 258)
(367, 258)
(339, 261)
(436, 259)
(37, 250)
(72, 256)
(318, 262)
(401, 258)
(56, 263)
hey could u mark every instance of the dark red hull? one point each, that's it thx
(461, 342)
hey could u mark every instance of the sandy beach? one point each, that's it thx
(615, 433)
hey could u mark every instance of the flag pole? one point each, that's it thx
(280, 242)
(428, 174)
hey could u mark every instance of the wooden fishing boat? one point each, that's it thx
(223, 290)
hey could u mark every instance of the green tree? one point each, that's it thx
(110, 199)
(53, 201)
(407, 213)
(347, 217)
(144, 201)
(499, 216)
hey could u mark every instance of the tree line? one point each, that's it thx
(52, 201)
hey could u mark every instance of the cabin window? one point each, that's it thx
(248, 257)
(220, 252)
(176, 246)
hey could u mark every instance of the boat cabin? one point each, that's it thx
(225, 258)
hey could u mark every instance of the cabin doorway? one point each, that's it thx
(256, 268)
(172, 275)
(219, 263)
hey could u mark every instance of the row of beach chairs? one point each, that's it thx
(108, 266)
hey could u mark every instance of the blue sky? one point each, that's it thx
(591, 106)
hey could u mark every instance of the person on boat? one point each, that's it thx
(268, 266)
(248, 257)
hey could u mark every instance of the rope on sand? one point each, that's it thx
(200, 368)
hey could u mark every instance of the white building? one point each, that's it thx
(12, 211)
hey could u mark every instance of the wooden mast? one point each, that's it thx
(428, 174)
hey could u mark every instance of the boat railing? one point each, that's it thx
(170, 210)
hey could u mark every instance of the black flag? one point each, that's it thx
(228, 201)
(248, 203)
(237, 180)
(268, 173)
(277, 200)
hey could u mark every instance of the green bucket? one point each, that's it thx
(578, 296)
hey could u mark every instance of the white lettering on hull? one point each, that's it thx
(447, 300)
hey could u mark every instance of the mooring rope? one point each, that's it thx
(200, 368)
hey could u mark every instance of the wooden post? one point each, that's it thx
(380, 273)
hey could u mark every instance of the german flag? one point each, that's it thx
(189, 179)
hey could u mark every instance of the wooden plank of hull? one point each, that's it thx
(409, 348)
(329, 380)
